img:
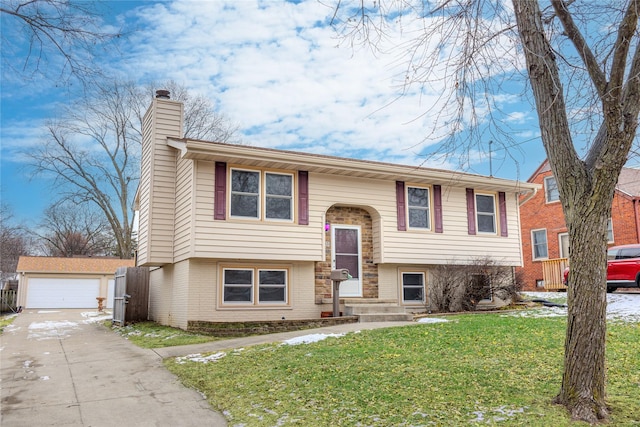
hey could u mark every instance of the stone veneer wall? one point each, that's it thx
(340, 215)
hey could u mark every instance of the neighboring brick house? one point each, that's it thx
(544, 231)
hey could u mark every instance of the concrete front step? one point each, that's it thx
(377, 312)
(356, 309)
(385, 317)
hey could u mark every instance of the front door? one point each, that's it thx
(347, 253)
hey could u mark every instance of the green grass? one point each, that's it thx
(474, 370)
(153, 335)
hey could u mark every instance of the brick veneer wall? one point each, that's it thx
(537, 214)
(340, 215)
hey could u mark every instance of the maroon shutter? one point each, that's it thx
(471, 211)
(437, 207)
(303, 197)
(220, 195)
(502, 206)
(401, 206)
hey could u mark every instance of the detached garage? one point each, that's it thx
(51, 282)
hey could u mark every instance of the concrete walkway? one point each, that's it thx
(61, 368)
(58, 369)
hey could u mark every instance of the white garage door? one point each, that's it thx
(63, 293)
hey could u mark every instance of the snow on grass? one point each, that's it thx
(197, 357)
(431, 320)
(620, 307)
(311, 338)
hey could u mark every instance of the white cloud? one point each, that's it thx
(274, 67)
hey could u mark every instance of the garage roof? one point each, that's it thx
(100, 265)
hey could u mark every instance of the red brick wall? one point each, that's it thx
(537, 214)
(349, 216)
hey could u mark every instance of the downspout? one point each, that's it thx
(635, 214)
(529, 197)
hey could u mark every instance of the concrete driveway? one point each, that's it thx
(62, 368)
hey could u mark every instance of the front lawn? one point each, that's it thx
(480, 369)
(153, 335)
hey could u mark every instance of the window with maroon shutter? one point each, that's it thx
(401, 206)
(437, 208)
(220, 193)
(502, 206)
(471, 211)
(303, 198)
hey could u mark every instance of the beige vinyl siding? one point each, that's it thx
(270, 240)
(184, 209)
(180, 301)
(144, 189)
(160, 285)
(204, 282)
(249, 239)
(158, 208)
(388, 282)
(377, 197)
(455, 244)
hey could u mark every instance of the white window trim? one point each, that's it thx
(613, 236)
(290, 198)
(495, 213)
(262, 195)
(560, 235)
(428, 208)
(533, 244)
(255, 295)
(424, 287)
(490, 299)
(546, 193)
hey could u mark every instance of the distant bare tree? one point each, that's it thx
(55, 38)
(14, 241)
(201, 119)
(93, 151)
(68, 230)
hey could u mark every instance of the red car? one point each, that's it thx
(623, 267)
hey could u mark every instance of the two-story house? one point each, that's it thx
(238, 233)
(545, 238)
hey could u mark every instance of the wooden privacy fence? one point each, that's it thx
(552, 273)
(8, 301)
(131, 295)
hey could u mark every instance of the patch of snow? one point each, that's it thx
(47, 311)
(12, 329)
(197, 357)
(620, 307)
(431, 320)
(51, 329)
(96, 316)
(45, 378)
(311, 338)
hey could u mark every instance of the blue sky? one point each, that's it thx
(277, 70)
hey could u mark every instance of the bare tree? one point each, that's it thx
(53, 37)
(201, 119)
(581, 61)
(67, 230)
(14, 242)
(92, 152)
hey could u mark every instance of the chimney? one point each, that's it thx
(162, 94)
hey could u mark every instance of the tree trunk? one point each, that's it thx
(586, 192)
(583, 380)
